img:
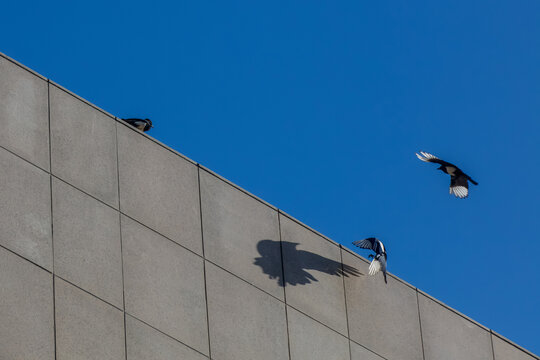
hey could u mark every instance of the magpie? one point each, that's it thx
(379, 260)
(459, 185)
(141, 124)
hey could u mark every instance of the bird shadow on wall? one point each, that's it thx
(296, 263)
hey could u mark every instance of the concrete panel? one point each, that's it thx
(236, 229)
(26, 310)
(448, 335)
(87, 248)
(245, 322)
(83, 146)
(310, 340)
(164, 285)
(25, 209)
(24, 113)
(313, 275)
(360, 353)
(159, 189)
(382, 317)
(86, 327)
(146, 343)
(506, 351)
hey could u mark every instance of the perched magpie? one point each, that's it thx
(379, 260)
(141, 124)
(459, 185)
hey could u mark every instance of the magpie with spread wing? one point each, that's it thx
(141, 124)
(379, 260)
(459, 181)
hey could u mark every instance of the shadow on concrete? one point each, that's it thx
(296, 263)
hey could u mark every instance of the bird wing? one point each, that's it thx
(427, 157)
(459, 186)
(374, 267)
(141, 124)
(369, 243)
(131, 121)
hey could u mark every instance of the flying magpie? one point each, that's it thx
(379, 260)
(141, 124)
(459, 185)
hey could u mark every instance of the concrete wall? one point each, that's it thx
(113, 246)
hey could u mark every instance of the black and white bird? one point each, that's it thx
(379, 260)
(141, 124)
(459, 181)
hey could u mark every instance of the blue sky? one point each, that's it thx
(319, 107)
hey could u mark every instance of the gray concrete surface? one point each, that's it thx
(146, 343)
(382, 317)
(83, 146)
(447, 335)
(312, 270)
(120, 226)
(25, 209)
(24, 113)
(164, 285)
(245, 322)
(87, 248)
(503, 350)
(26, 310)
(361, 353)
(310, 340)
(236, 228)
(159, 189)
(86, 327)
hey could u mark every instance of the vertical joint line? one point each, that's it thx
(345, 298)
(117, 163)
(123, 285)
(121, 239)
(54, 312)
(420, 322)
(49, 120)
(52, 215)
(50, 170)
(200, 207)
(492, 347)
(282, 259)
(284, 284)
(204, 262)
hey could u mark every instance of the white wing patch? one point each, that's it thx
(374, 267)
(426, 156)
(459, 191)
